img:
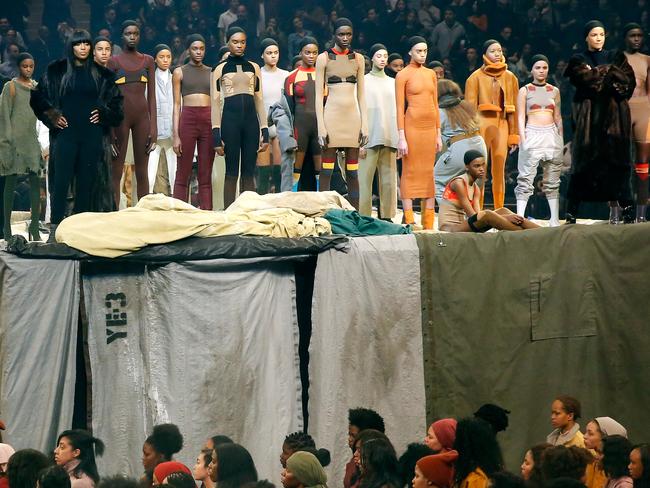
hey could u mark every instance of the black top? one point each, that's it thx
(81, 99)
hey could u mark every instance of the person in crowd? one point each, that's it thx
(435, 471)
(75, 451)
(268, 162)
(407, 461)
(239, 123)
(459, 129)
(479, 454)
(54, 477)
(163, 470)
(565, 412)
(531, 467)
(20, 151)
(447, 34)
(9, 68)
(441, 435)
(359, 419)
(639, 466)
(6, 451)
(79, 102)
(460, 210)
(180, 479)
(505, 479)
(227, 18)
(301, 441)
(602, 165)
(200, 471)
(303, 470)
(596, 431)
(494, 415)
(216, 440)
(165, 441)
(565, 462)
(378, 463)
(24, 468)
(118, 481)
(616, 456)
(541, 139)
(232, 466)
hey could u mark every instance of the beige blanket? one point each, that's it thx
(158, 219)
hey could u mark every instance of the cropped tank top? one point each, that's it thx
(196, 79)
(452, 197)
(540, 98)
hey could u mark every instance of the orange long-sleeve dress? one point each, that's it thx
(417, 114)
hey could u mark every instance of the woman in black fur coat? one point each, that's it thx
(602, 164)
(79, 102)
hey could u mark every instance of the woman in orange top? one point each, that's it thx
(479, 454)
(492, 90)
(418, 122)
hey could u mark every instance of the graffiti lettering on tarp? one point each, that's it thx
(115, 317)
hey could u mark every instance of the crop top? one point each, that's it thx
(540, 98)
(196, 79)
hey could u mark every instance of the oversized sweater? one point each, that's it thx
(492, 88)
(382, 110)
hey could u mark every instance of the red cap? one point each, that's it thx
(439, 468)
(165, 469)
(445, 431)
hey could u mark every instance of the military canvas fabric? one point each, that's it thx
(517, 318)
(39, 311)
(366, 345)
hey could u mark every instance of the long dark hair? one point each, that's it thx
(24, 468)
(616, 456)
(644, 481)
(536, 479)
(235, 466)
(477, 447)
(88, 446)
(77, 37)
(379, 467)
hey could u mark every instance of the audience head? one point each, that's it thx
(79, 445)
(435, 471)
(303, 470)
(378, 463)
(216, 440)
(531, 467)
(505, 479)
(300, 441)
(118, 481)
(477, 447)
(54, 477)
(360, 419)
(180, 479)
(441, 435)
(616, 456)
(598, 429)
(165, 441)
(493, 414)
(365, 436)
(203, 461)
(163, 470)
(24, 468)
(564, 483)
(407, 461)
(232, 466)
(6, 451)
(565, 462)
(639, 466)
(565, 411)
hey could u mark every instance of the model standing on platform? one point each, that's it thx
(492, 90)
(20, 151)
(640, 113)
(459, 128)
(135, 75)
(541, 140)
(381, 151)
(268, 162)
(192, 123)
(164, 118)
(418, 122)
(79, 102)
(604, 81)
(239, 129)
(342, 120)
(300, 92)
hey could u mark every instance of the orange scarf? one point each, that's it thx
(493, 69)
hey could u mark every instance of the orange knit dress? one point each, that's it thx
(417, 114)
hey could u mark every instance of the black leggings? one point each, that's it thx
(75, 155)
(241, 138)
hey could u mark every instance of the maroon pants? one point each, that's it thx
(195, 128)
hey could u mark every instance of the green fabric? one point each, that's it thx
(350, 222)
(517, 318)
(307, 469)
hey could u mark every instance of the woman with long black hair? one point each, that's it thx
(79, 102)
(479, 454)
(75, 451)
(232, 466)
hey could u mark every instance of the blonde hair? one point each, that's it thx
(462, 115)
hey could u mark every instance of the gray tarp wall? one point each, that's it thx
(39, 310)
(518, 318)
(210, 346)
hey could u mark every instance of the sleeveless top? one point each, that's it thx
(452, 197)
(540, 98)
(196, 79)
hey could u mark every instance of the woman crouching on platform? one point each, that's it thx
(460, 209)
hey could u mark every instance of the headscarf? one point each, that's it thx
(608, 426)
(470, 156)
(161, 47)
(488, 43)
(101, 39)
(445, 431)
(376, 47)
(129, 23)
(6, 451)
(305, 41)
(538, 57)
(342, 22)
(415, 40)
(439, 468)
(194, 38)
(234, 30)
(394, 57)
(306, 468)
(165, 469)
(631, 26)
(592, 24)
(268, 42)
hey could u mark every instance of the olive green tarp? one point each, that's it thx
(516, 318)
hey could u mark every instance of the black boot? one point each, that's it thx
(52, 237)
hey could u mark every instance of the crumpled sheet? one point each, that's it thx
(158, 219)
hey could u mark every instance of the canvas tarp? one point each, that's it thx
(516, 318)
(39, 310)
(366, 345)
(211, 346)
